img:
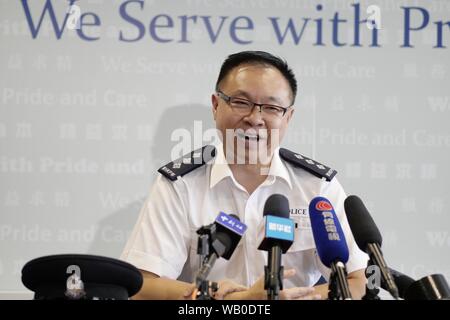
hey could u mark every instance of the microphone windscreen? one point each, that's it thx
(363, 227)
(225, 246)
(327, 231)
(277, 205)
(234, 216)
(229, 232)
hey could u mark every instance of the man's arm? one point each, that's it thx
(356, 283)
(156, 288)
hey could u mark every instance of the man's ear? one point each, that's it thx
(289, 114)
(215, 104)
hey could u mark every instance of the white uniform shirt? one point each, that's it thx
(164, 240)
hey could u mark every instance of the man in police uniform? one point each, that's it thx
(254, 98)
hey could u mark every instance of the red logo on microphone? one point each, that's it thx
(323, 206)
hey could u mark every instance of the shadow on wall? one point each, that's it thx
(114, 230)
(178, 117)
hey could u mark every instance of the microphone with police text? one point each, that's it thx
(278, 238)
(433, 287)
(222, 238)
(369, 239)
(331, 246)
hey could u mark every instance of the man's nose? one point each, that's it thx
(255, 117)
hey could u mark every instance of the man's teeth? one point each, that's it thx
(247, 136)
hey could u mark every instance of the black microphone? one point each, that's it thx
(433, 287)
(368, 239)
(223, 237)
(278, 237)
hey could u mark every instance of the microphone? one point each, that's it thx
(223, 237)
(368, 239)
(331, 246)
(278, 238)
(433, 287)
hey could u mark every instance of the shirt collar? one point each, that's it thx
(220, 169)
(278, 168)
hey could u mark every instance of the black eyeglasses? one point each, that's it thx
(245, 107)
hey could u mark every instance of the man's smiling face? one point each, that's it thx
(260, 84)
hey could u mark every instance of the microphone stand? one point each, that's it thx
(333, 291)
(273, 279)
(338, 288)
(204, 289)
(206, 255)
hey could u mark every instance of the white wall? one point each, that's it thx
(84, 124)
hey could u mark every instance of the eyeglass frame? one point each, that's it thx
(228, 98)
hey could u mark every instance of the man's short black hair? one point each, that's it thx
(258, 57)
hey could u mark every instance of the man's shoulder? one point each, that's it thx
(199, 157)
(188, 162)
(312, 166)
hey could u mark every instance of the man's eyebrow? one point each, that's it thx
(275, 99)
(248, 96)
(240, 93)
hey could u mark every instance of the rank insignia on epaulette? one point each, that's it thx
(188, 162)
(312, 166)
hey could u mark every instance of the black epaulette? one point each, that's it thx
(188, 162)
(313, 167)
